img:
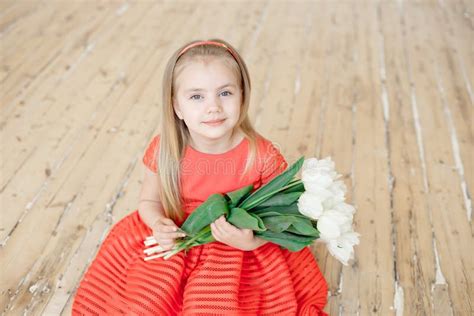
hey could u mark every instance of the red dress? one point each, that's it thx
(212, 279)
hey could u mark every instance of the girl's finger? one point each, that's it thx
(167, 247)
(214, 228)
(215, 233)
(175, 235)
(166, 228)
(227, 228)
(222, 232)
(218, 220)
(165, 235)
(218, 228)
(225, 224)
(168, 221)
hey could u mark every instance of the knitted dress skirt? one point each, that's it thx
(212, 279)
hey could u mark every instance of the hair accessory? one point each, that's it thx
(207, 43)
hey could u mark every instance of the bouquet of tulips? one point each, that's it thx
(287, 211)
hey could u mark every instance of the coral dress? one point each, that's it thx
(211, 279)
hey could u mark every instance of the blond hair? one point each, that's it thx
(174, 134)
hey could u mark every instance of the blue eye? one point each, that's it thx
(197, 95)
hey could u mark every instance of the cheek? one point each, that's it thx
(234, 109)
(191, 114)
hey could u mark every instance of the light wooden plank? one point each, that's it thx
(415, 273)
(452, 232)
(71, 46)
(262, 70)
(53, 101)
(453, 67)
(44, 35)
(370, 173)
(309, 83)
(458, 20)
(11, 12)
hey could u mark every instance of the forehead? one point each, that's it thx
(205, 75)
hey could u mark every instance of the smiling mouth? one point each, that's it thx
(214, 123)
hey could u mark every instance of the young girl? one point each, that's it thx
(206, 145)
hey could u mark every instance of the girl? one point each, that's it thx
(206, 145)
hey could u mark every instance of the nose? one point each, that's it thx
(214, 105)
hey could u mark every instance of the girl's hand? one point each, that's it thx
(165, 232)
(228, 234)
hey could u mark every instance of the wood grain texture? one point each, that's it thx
(386, 88)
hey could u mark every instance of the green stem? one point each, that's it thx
(188, 243)
(291, 184)
(294, 181)
(201, 233)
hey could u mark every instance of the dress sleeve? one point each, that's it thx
(149, 158)
(274, 163)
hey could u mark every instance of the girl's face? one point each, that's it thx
(208, 92)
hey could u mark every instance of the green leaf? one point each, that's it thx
(266, 191)
(279, 210)
(281, 199)
(288, 235)
(303, 227)
(237, 195)
(298, 187)
(277, 224)
(206, 213)
(285, 240)
(264, 213)
(240, 218)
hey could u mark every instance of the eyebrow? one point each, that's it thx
(199, 89)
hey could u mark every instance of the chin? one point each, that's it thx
(215, 133)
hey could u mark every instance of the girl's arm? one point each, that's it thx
(149, 205)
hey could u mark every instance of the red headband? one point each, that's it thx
(207, 43)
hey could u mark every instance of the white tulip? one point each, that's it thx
(346, 226)
(346, 216)
(331, 202)
(321, 164)
(344, 208)
(329, 226)
(309, 163)
(313, 180)
(322, 193)
(325, 165)
(310, 205)
(338, 188)
(321, 174)
(323, 200)
(343, 247)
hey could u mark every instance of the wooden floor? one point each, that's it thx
(384, 88)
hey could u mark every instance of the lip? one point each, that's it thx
(215, 122)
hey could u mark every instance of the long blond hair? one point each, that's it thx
(175, 135)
